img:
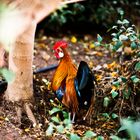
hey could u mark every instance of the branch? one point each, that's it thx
(70, 1)
(50, 6)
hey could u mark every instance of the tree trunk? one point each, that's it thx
(20, 62)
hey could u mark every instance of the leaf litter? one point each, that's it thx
(106, 70)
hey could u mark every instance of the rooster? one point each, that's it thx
(72, 86)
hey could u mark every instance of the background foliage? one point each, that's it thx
(91, 14)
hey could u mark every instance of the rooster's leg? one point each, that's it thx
(73, 117)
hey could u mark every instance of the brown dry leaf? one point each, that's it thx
(91, 46)
(113, 88)
(91, 64)
(45, 56)
(2, 119)
(80, 132)
(114, 74)
(99, 53)
(26, 129)
(73, 39)
(49, 86)
(95, 53)
(98, 77)
(75, 52)
(41, 45)
(43, 38)
(86, 49)
(128, 50)
(109, 125)
(112, 65)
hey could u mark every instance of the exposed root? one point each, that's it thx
(19, 113)
(27, 107)
(20, 107)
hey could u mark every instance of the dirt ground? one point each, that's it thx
(80, 48)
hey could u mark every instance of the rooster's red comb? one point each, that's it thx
(61, 43)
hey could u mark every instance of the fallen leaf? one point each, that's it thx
(91, 46)
(114, 74)
(112, 65)
(26, 129)
(73, 39)
(98, 77)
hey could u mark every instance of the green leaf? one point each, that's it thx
(129, 29)
(132, 38)
(117, 45)
(67, 121)
(55, 119)
(114, 39)
(100, 138)
(114, 94)
(99, 38)
(68, 126)
(97, 44)
(106, 115)
(125, 21)
(116, 83)
(135, 79)
(124, 80)
(63, 19)
(74, 137)
(136, 128)
(114, 27)
(119, 22)
(60, 128)
(49, 131)
(89, 134)
(65, 114)
(114, 116)
(129, 125)
(126, 92)
(114, 34)
(7, 74)
(122, 128)
(113, 137)
(106, 102)
(123, 37)
(54, 110)
(137, 66)
(133, 45)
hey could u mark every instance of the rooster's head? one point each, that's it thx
(58, 48)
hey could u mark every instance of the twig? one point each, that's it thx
(19, 113)
(121, 106)
(91, 108)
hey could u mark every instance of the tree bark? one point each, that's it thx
(20, 62)
(2, 52)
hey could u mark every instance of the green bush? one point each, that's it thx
(89, 12)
